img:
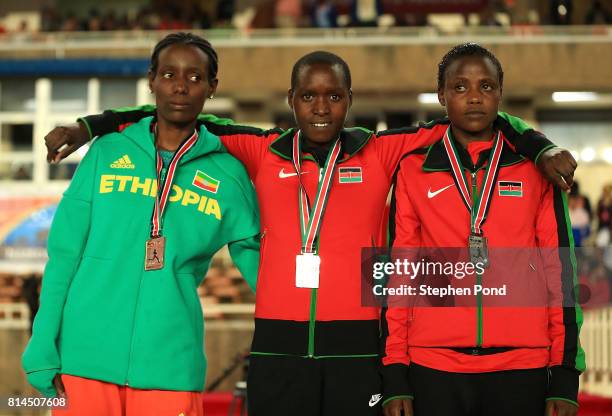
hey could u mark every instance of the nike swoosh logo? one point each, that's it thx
(375, 399)
(282, 174)
(432, 194)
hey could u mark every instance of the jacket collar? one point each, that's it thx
(352, 141)
(140, 133)
(437, 160)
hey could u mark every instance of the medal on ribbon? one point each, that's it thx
(155, 247)
(308, 262)
(478, 203)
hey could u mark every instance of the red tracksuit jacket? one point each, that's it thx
(330, 320)
(427, 211)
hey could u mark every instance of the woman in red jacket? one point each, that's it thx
(513, 348)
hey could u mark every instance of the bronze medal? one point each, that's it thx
(155, 249)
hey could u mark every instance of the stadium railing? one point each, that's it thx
(596, 337)
(65, 41)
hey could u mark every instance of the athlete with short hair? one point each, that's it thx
(519, 356)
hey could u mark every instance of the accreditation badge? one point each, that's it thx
(307, 267)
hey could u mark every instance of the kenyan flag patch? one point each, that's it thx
(510, 188)
(350, 175)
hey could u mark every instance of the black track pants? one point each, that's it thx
(284, 385)
(501, 393)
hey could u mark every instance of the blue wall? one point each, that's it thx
(70, 67)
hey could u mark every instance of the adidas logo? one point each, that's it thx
(123, 162)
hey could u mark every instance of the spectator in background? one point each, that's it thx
(123, 22)
(488, 18)
(199, 18)
(580, 215)
(575, 190)
(225, 12)
(593, 273)
(109, 22)
(22, 174)
(598, 14)
(94, 22)
(50, 20)
(561, 12)
(604, 208)
(171, 19)
(71, 23)
(145, 19)
(324, 14)
(23, 27)
(288, 13)
(264, 14)
(604, 218)
(365, 13)
(410, 19)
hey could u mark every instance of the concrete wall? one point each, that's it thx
(259, 71)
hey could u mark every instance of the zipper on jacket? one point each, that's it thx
(313, 307)
(478, 275)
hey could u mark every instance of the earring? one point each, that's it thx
(211, 96)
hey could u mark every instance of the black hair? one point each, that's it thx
(187, 39)
(467, 49)
(320, 57)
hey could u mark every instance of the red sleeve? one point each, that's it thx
(554, 237)
(249, 148)
(553, 234)
(392, 145)
(405, 231)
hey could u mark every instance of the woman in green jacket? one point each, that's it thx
(130, 242)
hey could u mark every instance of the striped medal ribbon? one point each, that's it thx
(478, 203)
(156, 245)
(308, 262)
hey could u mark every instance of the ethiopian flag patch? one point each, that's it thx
(350, 175)
(206, 182)
(510, 188)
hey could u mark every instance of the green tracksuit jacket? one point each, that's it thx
(101, 315)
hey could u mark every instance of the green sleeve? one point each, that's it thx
(242, 227)
(527, 141)
(244, 248)
(245, 254)
(67, 239)
(110, 121)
